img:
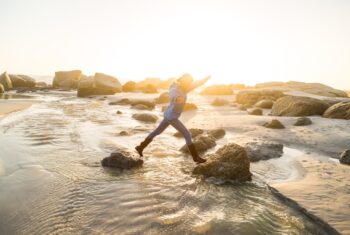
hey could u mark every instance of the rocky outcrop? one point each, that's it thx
(145, 117)
(229, 162)
(5, 81)
(216, 133)
(257, 151)
(2, 89)
(22, 81)
(67, 79)
(303, 121)
(129, 86)
(163, 98)
(264, 104)
(194, 132)
(298, 106)
(252, 96)
(107, 82)
(274, 124)
(219, 102)
(257, 112)
(340, 110)
(218, 90)
(122, 159)
(100, 84)
(202, 144)
(345, 157)
(312, 88)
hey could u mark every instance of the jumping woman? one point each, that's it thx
(178, 95)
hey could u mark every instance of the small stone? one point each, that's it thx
(274, 124)
(145, 117)
(303, 121)
(257, 112)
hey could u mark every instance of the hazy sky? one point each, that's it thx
(246, 41)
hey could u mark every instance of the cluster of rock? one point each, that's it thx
(251, 97)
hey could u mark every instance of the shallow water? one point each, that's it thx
(51, 181)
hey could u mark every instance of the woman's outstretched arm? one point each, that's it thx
(199, 83)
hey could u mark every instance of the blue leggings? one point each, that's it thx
(177, 125)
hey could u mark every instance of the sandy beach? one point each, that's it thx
(9, 106)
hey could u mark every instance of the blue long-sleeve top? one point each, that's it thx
(175, 107)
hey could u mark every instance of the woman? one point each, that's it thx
(178, 95)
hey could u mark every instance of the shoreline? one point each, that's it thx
(11, 106)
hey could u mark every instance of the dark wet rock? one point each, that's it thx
(219, 102)
(257, 151)
(229, 162)
(264, 104)
(303, 121)
(22, 81)
(202, 143)
(340, 110)
(124, 133)
(297, 106)
(119, 112)
(194, 132)
(145, 117)
(251, 97)
(257, 112)
(124, 101)
(129, 86)
(2, 89)
(5, 81)
(122, 159)
(345, 157)
(163, 98)
(67, 79)
(218, 90)
(141, 107)
(216, 133)
(274, 124)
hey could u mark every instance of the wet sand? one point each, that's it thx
(9, 106)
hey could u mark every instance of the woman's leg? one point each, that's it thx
(161, 127)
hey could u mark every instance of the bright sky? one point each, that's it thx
(246, 41)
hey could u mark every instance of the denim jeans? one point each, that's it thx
(177, 124)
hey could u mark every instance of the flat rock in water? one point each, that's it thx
(194, 132)
(216, 133)
(122, 159)
(257, 151)
(303, 121)
(274, 124)
(145, 117)
(229, 162)
(202, 143)
(340, 110)
(345, 157)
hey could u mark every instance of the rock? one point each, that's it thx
(345, 157)
(140, 107)
(340, 110)
(257, 151)
(242, 107)
(149, 89)
(66, 79)
(202, 143)
(107, 82)
(2, 89)
(5, 81)
(252, 96)
(122, 159)
(22, 81)
(100, 84)
(274, 124)
(194, 132)
(124, 101)
(149, 104)
(303, 121)
(257, 112)
(298, 106)
(229, 162)
(155, 82)
(124, 133)
(129, 86)
(218, 90)
(264, 104)
(216, 133)
(145, 117)
(41, 84)
(220, 102)
(189, 107)
(163, 98)
(119, 112)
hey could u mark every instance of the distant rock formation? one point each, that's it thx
(129, 86)
(67, 79)
(230, 162)
(22, 81)
(297, 106)
(5, 81)
(100, 84)
(251, 97)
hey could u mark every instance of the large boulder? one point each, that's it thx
(107, 82)
(250, 97)
(219, 102)
(345, 157)
(229, 162)
(66, 79)
(216, 133)
(263, 150)
(274, 124)
(122, 159)
(303, 121)
(2, 89)
(202, 144)
(194, 132)
(145, 117)
(264, 104)
(5, 81)
(22, 81)
(297, 106)
(163, 98)
(340, 110)
(218, 90)
(129, 86)
(100, 84)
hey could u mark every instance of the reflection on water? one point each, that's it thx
(51, 181)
